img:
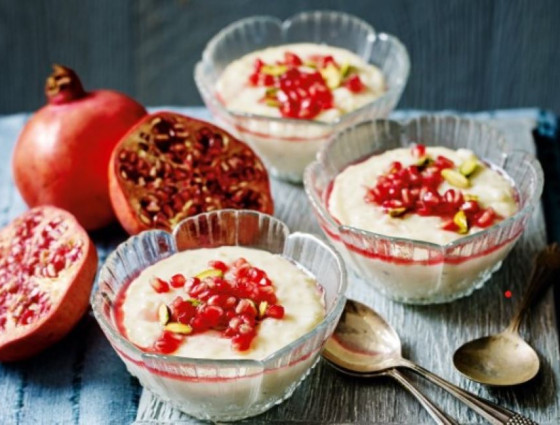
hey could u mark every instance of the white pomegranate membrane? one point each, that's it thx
(302, 81)
(431, 194)
(227, 302)
(31, 261)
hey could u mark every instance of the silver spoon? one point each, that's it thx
(365, 345)
(505, 358)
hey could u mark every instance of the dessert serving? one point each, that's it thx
(423, 223)
(287, 87)
(432, 194)
(220, 303)
(224, 317)
(302, 81)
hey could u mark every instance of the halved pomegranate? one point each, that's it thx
(169, 167)
(47, 267)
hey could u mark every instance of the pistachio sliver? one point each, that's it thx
(332, 76)
(424, 161)
(470, 197)
(210, 273)
(274, 70)
(178, 328)
(262, 308)
(468, 167)
(455, 178)
(346, 69)
(163, 314)
(460, 219)
(396, 212)
(272, 102)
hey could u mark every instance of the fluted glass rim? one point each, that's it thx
(97, 297)
(393, 92)
(318, 166)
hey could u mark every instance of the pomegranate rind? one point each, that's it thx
(61, 159)
(71, 304)
(125, 195)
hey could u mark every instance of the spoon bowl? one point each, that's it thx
(498, 360)
(506, 359)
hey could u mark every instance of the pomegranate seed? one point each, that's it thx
(242, 342)
(219, 265)
(275, 311)
(178, 280)
(418, 150)
(159, 285)
(354, 84)
(292, 59)
(167, 343)
(470, 207)
(443, 162)
(485, 218)
(246, 306)
(212, 315)
(450, 225)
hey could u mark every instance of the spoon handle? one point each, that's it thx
(439, 416)
(546, 263)
(493, 413)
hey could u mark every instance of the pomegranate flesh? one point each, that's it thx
(47, 267)
(62, 155)
(169, 167)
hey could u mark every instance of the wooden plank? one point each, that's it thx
(430, 334)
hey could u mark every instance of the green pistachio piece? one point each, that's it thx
(397, 212)
(272, 102)
(210, 273)
(163, 314)
(455, 178)
(263, 305)
(331, 75)
(178, 328)
(460, 219)
(274, 70)
(468, 167)
(424, 161)
(346, 69)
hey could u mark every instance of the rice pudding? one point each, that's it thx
(221, 303)
(302, 81)
(418, 195)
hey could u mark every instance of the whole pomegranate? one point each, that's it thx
(61, 157)
(47, 267)
(169, 167)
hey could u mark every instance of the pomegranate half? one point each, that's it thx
(169, 167)
(61, 157)
(47, 267)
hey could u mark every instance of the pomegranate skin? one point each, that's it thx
(69, 308)
(62, 154)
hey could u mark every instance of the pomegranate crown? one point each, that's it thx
(63, 85)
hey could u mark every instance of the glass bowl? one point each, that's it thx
(221, 390)
(288, 145)
(413, 271)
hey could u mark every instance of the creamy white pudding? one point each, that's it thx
(348, 205)
(387, 194)
(295, 290)
(240, 93)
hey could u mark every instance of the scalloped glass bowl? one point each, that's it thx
(413, 271)
(288, 145)
(221, 390)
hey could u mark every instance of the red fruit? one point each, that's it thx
(485, 218)
(167, 343)
(47, 267)
(292, 59)
(275, 311)
(418, 150)
(169, 167)
(61, 157)
(159, 285)
(178, 280)
(218, 265)
(354, 84)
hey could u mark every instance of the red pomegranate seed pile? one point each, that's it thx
(414, 189)
(299, 89)
(232, 299)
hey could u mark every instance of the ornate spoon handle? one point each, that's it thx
(439, 416)
(493, 413)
